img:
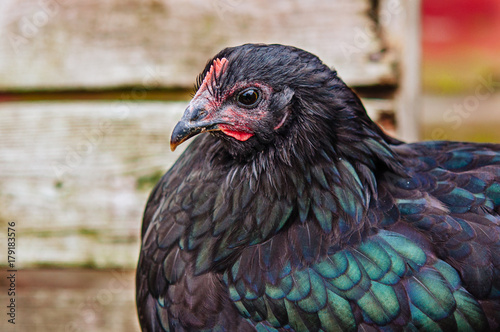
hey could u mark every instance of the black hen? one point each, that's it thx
(298, 213)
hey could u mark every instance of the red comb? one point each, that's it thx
(215, 70)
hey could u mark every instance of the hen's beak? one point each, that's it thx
(194, 121)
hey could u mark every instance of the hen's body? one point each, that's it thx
(333, 226)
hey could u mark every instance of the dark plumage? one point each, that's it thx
(296, 212)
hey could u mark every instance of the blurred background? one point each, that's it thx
(461, 70)
(90, 91)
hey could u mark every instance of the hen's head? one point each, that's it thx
(255, 97)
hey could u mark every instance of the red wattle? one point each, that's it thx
(239, 135)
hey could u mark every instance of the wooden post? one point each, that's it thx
(409, 97)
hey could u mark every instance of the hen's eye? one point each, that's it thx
(248, 97)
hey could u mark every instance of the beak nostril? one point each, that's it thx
(197, 114)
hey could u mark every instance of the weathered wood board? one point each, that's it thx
(73, 300)
(75, 176)
(69, 44)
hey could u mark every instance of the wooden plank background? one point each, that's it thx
(73, 300)
(101, 43)
(75, 174)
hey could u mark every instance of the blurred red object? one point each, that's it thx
(452, 27)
